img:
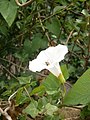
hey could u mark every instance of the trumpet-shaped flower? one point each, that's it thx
(49, 59)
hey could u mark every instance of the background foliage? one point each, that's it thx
(24, 32)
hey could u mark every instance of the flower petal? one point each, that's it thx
(55, 69)
(49, 59)
(36, 65)
(56, 53)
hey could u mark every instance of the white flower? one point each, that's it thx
(49, 59)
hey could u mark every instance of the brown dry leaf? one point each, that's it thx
(69, 113)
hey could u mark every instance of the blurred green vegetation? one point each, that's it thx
(24, 32)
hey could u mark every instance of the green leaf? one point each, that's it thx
(22, 117)
(31, 109)
(40, 1)
(50, 109)
(58, 9)
(51, 84)
(85, 112)
(8, 10)
(27, 45)
(85, 12)
(65, 71)
(82, 0)
(53, 117)
(7, 93)
(21, 97)
(3, 29)
(23, 1)
(38, 90)
(24, 80)
(53, 26)
(2, 84)
(38, 42)
(80, 92)
(42, 103)
(21, 55)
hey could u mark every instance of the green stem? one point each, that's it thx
(62, 81)
(61, 78)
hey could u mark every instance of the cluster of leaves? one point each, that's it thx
(24, 31)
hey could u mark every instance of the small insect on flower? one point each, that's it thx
(49, 59)
(47, 63)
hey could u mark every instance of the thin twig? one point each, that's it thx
(23, 68)
(27, 92)
(72, 118)
(23, 4)
(69, 37)
(13, 63)
(4, 112)
(46, 33)
(9, 72)
(67, 83)
(46, 18)
(12, 95)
